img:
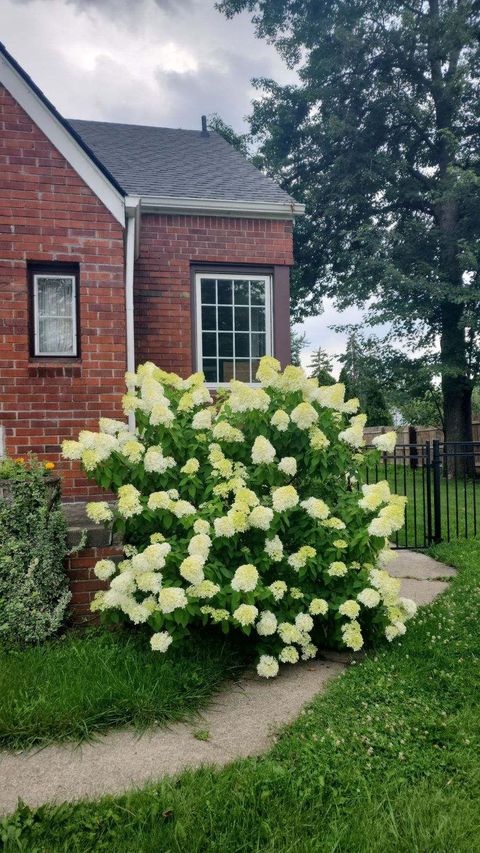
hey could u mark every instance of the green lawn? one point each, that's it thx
(459, 503)
(86, 682)
(386, 761)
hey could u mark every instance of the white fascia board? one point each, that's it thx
(62, 140)
(222, 207)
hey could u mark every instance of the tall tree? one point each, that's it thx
(321, 367)
(362, 378)
(298, 342)
(381, 140)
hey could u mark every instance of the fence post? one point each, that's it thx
(437, 474)
(426, 462)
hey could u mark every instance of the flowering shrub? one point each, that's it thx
(34, 590)
(245, 513)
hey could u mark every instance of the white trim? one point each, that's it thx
(224, 273)
(222, 207)
(73, 317)
(62, 139)
(130, 251)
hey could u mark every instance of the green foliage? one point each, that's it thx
(298, 342)
(380, 140)
(34, 591)
(321, 368)
(86, 682)
(360, 374)
(386, 759)
(243, 515)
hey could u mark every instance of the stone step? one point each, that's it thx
(97, 536)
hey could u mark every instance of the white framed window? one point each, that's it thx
(54, 306)
(234, 325)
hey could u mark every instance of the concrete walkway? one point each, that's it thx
(241, 721)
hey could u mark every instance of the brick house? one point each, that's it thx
(122, 243)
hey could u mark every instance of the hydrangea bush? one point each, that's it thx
(246, 512)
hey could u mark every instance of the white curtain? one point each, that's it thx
(55, 305)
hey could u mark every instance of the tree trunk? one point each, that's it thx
(457, 394)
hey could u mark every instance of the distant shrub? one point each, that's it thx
(243, 513)
(34, 591)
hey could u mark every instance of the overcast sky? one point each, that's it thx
(161, 62)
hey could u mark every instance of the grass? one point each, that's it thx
(386, 761)
(459, 503)
(84, 683)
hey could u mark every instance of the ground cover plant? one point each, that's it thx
(388, 759)
(34, 591)
(85, 682)
(242, 513)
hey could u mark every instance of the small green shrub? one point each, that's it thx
(244, 512)
(34, 590)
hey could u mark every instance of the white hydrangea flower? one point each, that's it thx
(318, 607)
(274, 549)
(289, 654)
(201, 526)
(369, 597)
(191, 568)
(352, 635)
(280, 420)
(262, 451)
(223, 431)
(267, 667)
(129, 501)
(304, 416)
(304, 622)
(124, 583)
(349, 608)
(288, 466)
(289, 633)
(159, 500)
(267, 624)
(183, 508)
(284, 497)
(204, 589)
(261, 517)
(202, 419)
(155, 461)
(149, 581)
(191, 466)
(337, 569)
(104, 569)
(409, 606)
(386, 442)
(245, 578)
(224, 527)
(278, 589)
(309, 651)
(171, 598)
(160, 641)
(111, 426)
(316, 508)
(99, 512)
(245, 614)
(200, 544)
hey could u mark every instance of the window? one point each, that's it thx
(233, 325)
(54, 311)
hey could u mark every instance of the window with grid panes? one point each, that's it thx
(233, 325)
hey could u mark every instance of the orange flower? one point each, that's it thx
(20, 460)
(49, 466)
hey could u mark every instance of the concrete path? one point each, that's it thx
(241, 721)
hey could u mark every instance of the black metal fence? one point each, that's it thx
(440, 480)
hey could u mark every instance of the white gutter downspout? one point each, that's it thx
(132, 210)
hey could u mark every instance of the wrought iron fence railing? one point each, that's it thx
(440, 480)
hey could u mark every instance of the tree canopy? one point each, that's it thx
(380, 139)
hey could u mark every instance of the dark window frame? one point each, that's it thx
(52, 268)
(199, 268)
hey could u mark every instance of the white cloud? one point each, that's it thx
(159, 62)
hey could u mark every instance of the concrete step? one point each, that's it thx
(98, 536)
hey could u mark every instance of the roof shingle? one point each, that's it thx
(163, 161)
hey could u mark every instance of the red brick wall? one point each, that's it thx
(83, 582)
(168, 246)
(47, 213)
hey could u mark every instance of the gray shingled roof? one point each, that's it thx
(163, 161)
